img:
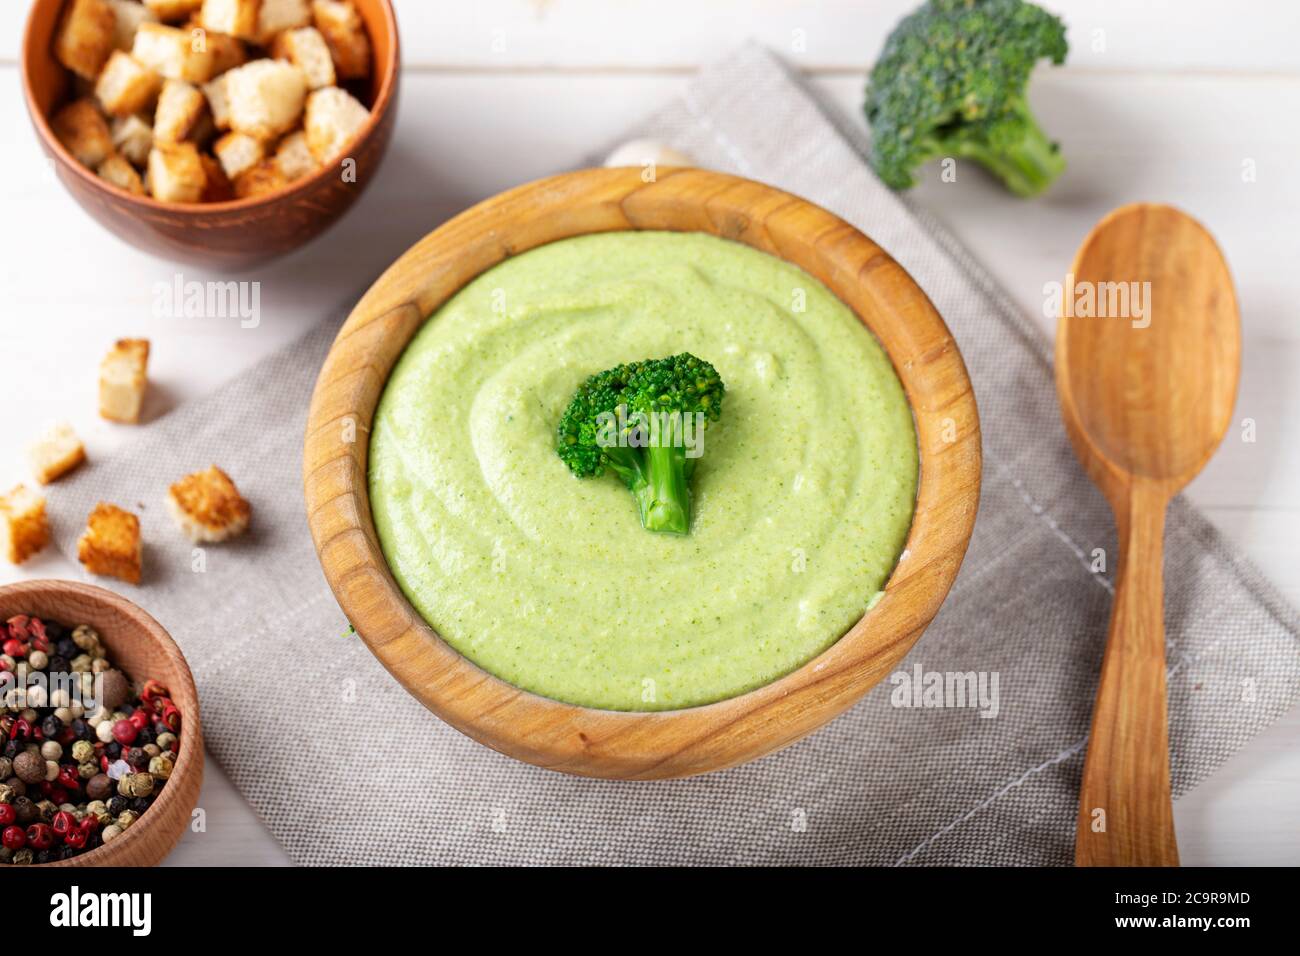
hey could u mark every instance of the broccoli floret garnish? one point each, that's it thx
(951, 82)
(643, 422)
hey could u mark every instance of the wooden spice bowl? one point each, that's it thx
(236, 234)
(661, 744)
(143, 650)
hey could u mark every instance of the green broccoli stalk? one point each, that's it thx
(639, 421)
(951, 82)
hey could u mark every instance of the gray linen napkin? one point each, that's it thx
(345, 768)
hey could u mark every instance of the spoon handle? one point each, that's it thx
(1126, 813)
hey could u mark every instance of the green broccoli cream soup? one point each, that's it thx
(800, 502)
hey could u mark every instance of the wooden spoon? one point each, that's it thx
(1147, 396)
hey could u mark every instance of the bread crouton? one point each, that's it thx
(173, 11)
(227, 52)
(238, 18)
(111, 545)
(119, 171)
(208, 507)
(180, 107)
(133, 138)
(306, 49)
(55, 453)
(340, 24)
(276, 16)
(293, 157)
(23, 528)
(85, 37)
(334, 117)
(266, 97)
(126, 86)
(128, 15)
(173, 53)
(238, 152)
(218, 102)
(217, 187)
(175, 172)
(122, 377)
(261, 179)
(82, 128)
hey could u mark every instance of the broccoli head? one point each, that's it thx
(642, 421)
(951, 82)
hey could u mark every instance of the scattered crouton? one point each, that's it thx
(306, 49)
(175, 172)
(208, 507)
(293, 157)
(266, 97)
(261, 179)
(85, 37)
(133, 138)
(119, 171)
(126, 86)
(55, 453)
(173, 53)
(111, 545)
(173, 11)
(82, 128)
(238, 18)
(340, 24)
(128, 15)
(23, 528)
(217, 186)
(180, 107)
(238, 152)
(122, 379)
(334, 116)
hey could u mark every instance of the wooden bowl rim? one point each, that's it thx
(612, 188)
(145, 203)
(190, 757)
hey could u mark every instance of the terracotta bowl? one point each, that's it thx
(677, 743)
(236, 234)
(143, 650)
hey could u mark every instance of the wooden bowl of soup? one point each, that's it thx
(832, 504)
(235, 233)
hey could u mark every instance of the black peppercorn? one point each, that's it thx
(44, 856)
(140, 804)
(82, 729)
(66, 648)
(145, 736)
(25, 810)
(114, 750)
(58, 664)
(136, 757)
(118, 805)
(51, 727)
(12, 749)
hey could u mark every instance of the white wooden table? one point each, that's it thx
(1161, 100)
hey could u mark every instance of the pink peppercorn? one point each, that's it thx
(40, 836)
(13, 838)
(124, 732)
